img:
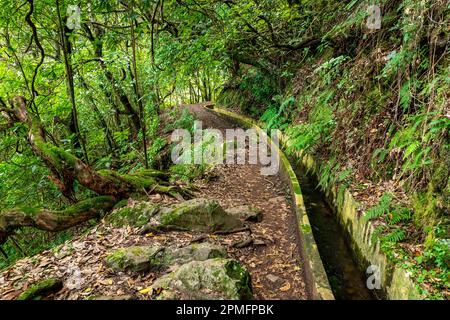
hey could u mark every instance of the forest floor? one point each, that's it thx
(273, 259)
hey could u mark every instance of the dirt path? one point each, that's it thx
(276, 268)
(273, 260)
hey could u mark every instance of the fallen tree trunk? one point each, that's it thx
(49, 220)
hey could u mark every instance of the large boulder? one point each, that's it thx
(196, 215)
(156, 257)
(213, 279)
(200, 215)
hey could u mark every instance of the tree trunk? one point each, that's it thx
(67, 51)
(115, 85)
(64, 166)
(137, 91)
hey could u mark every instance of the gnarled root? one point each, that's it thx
(48, 220)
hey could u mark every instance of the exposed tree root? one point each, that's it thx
(53, 220)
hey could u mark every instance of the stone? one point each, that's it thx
(137, 215)
(199, 215)
(156, 257)
(246, 213)
(41, 289)
(136, 258)
(213, 279)
(195, 252)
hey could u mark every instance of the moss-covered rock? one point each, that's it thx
(137, 215)
(196, 215)
(136, 258)
(213, 279)
(247, 213)
(194, 252)
(155, 257)
(41, 289)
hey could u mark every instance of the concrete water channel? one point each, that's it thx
(347, 280)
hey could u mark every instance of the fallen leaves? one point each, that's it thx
(145, 291)
(286, 287)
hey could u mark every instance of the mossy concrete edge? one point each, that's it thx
(316, 278)
(396, 283)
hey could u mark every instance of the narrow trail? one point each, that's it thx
(276, 268)
(273, 259)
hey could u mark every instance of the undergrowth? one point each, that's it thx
(376, 109)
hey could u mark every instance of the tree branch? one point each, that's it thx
(54, 221)
(38, 44)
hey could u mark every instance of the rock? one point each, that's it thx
(247, 213)
(195, 252)
(156, 257)
(41, 289)
(200, 215)
(213, 279)
(137, 215)
(136, 258)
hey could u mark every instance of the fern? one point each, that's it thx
(344, 175)
(399, 214)
(394, 236)
(411, 149)
(376, 234)
(381, 208)
(278, 118)
(327, 175)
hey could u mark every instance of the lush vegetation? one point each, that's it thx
(89, 86)
(373, 105)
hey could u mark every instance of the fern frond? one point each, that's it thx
(381, 208)
(394, 236)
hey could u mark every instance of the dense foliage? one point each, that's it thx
(373, 104)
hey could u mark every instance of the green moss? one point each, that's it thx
(41, 288)
(306, 228)
(149, 257)
(235, 271)
(137, 216)
(86, 205)
(121, 204)
(135, 258)
(198, 215)
(58, 156)
(426, 210)
(139, 181)
(30, 211)
(210, 279)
